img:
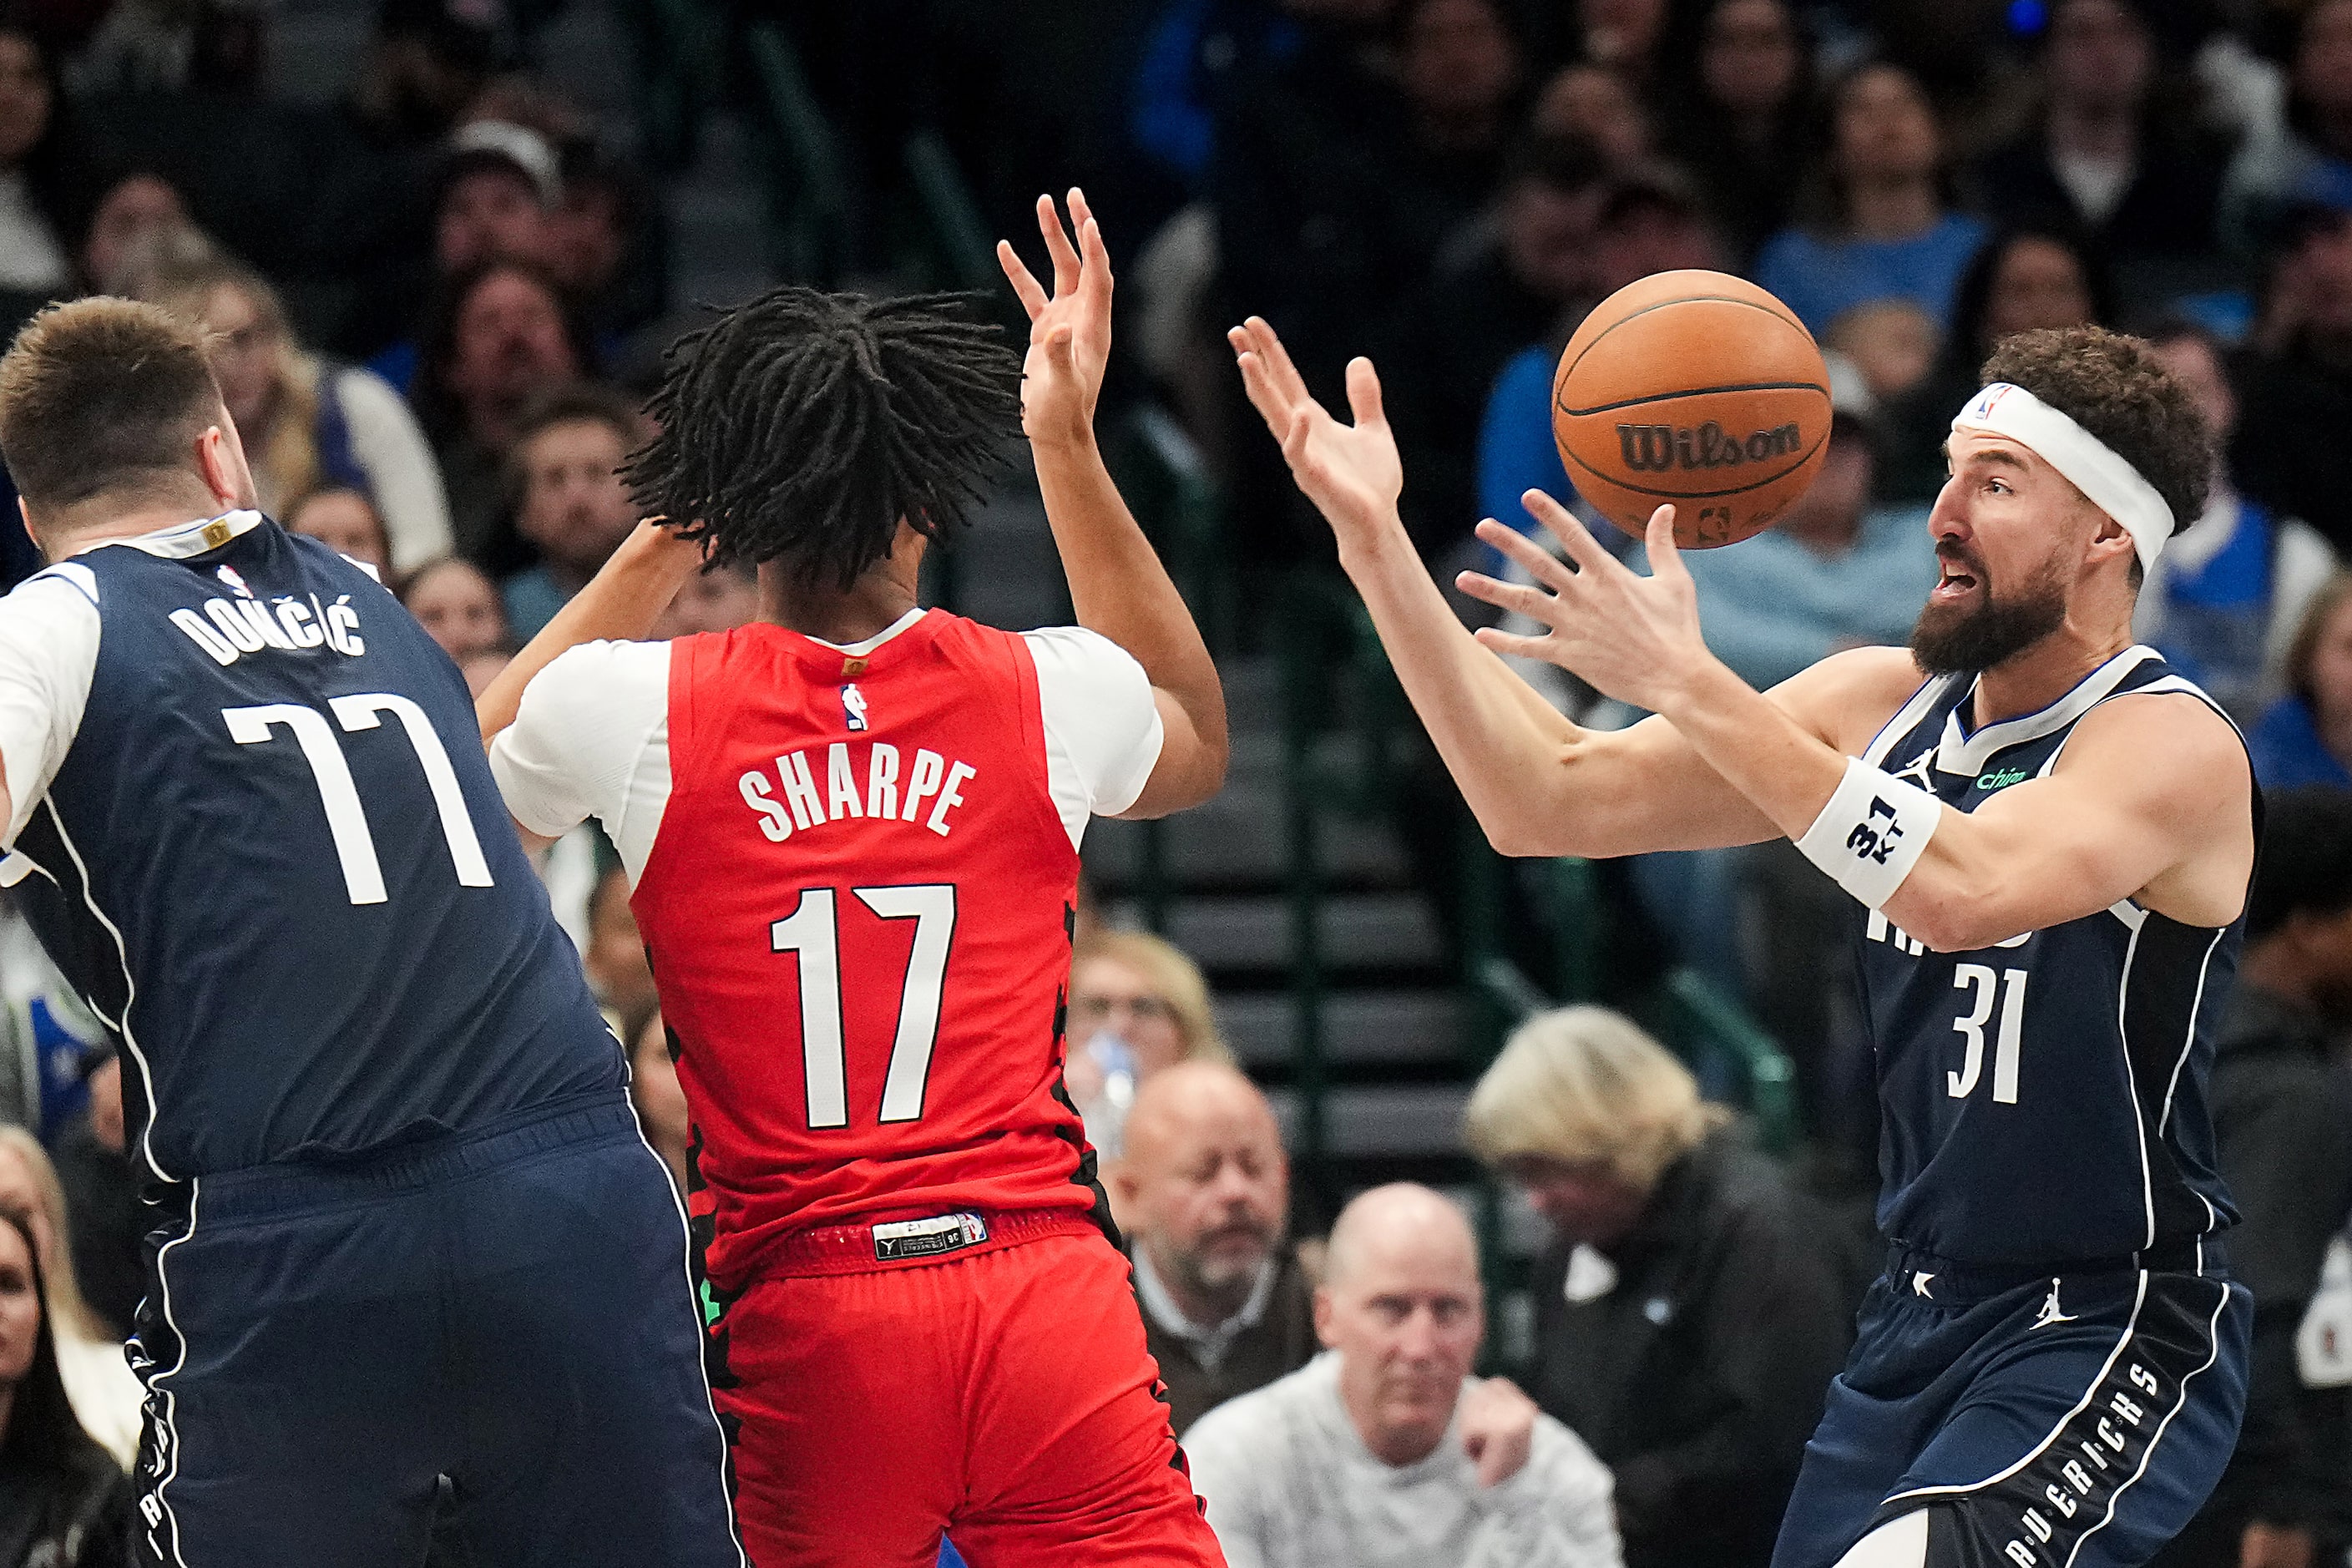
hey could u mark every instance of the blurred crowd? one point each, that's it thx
(437, 302)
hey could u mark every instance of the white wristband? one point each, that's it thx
(1872, 832)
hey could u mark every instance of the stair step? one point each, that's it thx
(1251, 933)
(1359, 1027)
(1240, 839)
(1382, 1122)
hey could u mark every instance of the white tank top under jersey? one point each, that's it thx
(591, 737)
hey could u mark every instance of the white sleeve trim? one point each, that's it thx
(592, 738)
(48, 654)
(1103, 734)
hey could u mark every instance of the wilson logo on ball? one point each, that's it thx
(1661, 449)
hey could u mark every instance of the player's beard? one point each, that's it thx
(1966, 638)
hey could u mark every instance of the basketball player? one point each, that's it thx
(852, 828)
(2048, 837)
(405, 1226)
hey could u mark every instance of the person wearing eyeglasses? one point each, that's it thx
(1137, 1005)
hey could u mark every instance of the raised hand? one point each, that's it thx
(1351, 472)
(1631, 638)
(1070, 331)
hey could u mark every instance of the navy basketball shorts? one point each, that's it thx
(2068, 1422)
(510, 1308)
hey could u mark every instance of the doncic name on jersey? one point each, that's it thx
(230, 628)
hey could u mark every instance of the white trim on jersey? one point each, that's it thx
(165, 1402)
(2189, 1039)
(2131, 1080)
(1965, 755)
(2090, 1392)
(1906, 717)
(2181, 1403)
(130, 993)
(185, 540)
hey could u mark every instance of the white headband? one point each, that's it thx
(2113, 485)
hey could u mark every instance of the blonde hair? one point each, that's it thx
(66, 1310)
(1174, 978)
(285, 456)
(1584, 1085)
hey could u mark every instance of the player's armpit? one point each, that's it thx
(2151, 800)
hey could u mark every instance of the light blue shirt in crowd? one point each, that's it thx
(532, 600)
(1769, 606)
(1820, 279)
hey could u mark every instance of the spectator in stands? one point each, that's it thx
(346, 521)
(426, 61)
(458, 607)
(1459, 63)
(2110, 156)
(500, 187)
(603, 244)
(1892, 344)
(2295, 382)
(2282, 1115)
(499, 337)
(1444, 346)
(1384, 1450)
(575, 507)
(2307, 157)
(106, 1397)
(134, 208)
(618, 971)
(1878, 223)
(2022, 279)
(1202, 1192)
(108, 1244)
(1841, 569)
(37, 179)
(1595, 104)
(1742, 125)
(2306, 736)
(1689, 1312)
(70, 1502)
(308, 425)
(661, 1104)
(1136, 1005)
(1626, 35)
(716, 599)
(2223, 600)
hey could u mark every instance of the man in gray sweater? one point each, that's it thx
(1383, 1452)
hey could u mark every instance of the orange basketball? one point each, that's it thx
(1698, 388)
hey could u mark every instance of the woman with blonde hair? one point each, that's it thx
(1690, 1311)
(306, 425)
(1137, 1005)
(105, 1396)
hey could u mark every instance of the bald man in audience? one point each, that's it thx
(1202, 1194)
(1383, 1452)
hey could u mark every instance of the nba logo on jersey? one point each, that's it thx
(852, 706)
(228, 575)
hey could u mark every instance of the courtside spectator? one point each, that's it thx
(2305, 738)
(2222, 602)
(1202, 1192)
(500, 187)
(2295, 384)
(307, 424)
(661, 1104)
(37, 180)
(2306, 154)
(128, 215)
(715, 599)
(1137, 1005)
(346, 522)
(1689, 1312)
(457, 607)
(2282, 1113)
(106, 1397)
(1383, 1450)
(102, 1193)
(1742, 128)
(1876, 219)
(2022, 279)
(575, 507)
(615, 958)
(1595, 104)
(1892, 344)
(499, 337)
(70, 1502)
(2111, 156)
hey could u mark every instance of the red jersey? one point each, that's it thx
(859, 906)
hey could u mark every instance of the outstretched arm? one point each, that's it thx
(1118, 587)
(2148, 801)
(1537, 783)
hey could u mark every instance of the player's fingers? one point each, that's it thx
(1542, 564)
(1090, 241)
(1057, 246)
(1274, 408)
(1269, 346)
(1364, 392)
(1512, 645)
(1573, 536)
(1665, 554)
(1032, 292)
(1515, 597)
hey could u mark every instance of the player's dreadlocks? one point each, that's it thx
(801, 426)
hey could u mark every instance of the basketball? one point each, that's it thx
(1696, 388)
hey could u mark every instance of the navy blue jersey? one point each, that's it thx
(272, 855)
(2044, 1098)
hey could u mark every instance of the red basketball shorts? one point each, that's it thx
(1005, 1399)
